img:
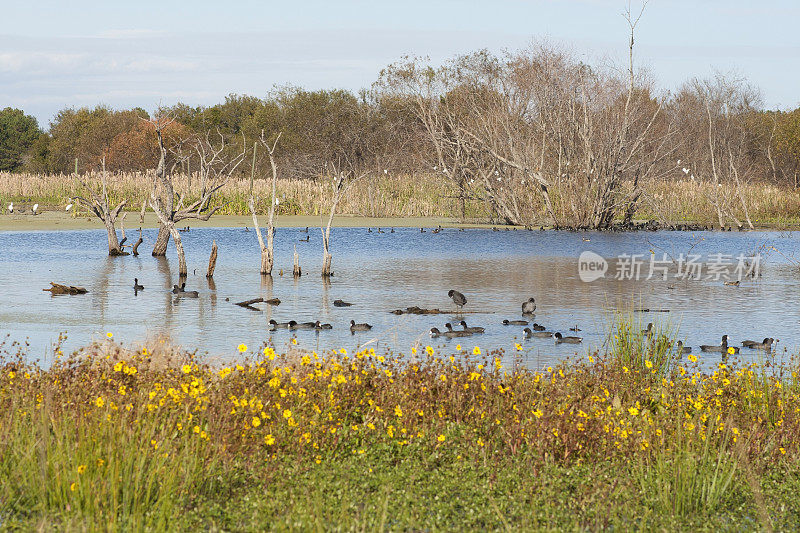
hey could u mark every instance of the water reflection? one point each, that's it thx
(497, 271)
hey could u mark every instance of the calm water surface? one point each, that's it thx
(497, 271)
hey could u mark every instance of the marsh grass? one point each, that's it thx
(630, 345)
(404, 195)
(689, 476)
(128, 438)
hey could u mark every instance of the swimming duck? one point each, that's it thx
(683, 349)
(529, 307)
(341, 303)
(648, 330)
(471, 329)
(136, 285)
(766, 344)
(569, 340)
(507, 322)
(537, 327)
(527, 333)
(319, 326)
(273, 325)
(716, 347)
(359, 327)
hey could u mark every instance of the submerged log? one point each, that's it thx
(57, 288)
(248, 304)
(414, 310)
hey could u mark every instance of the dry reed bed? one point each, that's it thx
(422, 195)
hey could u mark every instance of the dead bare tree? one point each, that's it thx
(215, 170)
(169, 207)
(716, 146)
(341, 183)
(267, 255)
(97, 203)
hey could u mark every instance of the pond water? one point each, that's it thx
(378, 272)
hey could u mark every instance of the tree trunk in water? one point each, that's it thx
(162, 240)
(326, 264)
(266, 261)
(296, 272)
(212, 261)
(113, 242)
(182, 271)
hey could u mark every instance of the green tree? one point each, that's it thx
(18, 132)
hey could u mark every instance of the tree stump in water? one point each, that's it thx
(57, 288)
(212, 261)
(296, 272)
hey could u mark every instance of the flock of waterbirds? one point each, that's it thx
(723, 347)
(528, 311)
(534, 330)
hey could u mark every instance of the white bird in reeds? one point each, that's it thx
(385, 171)
(11, 207)
(69, 206)
(35, 207)
(685, 170)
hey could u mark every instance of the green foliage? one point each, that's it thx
(691, 477)
(18, 132)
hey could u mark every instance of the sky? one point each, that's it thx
(56, 54)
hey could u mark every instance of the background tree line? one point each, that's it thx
(535, 132)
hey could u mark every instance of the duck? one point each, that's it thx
(648, 330)
(359, 327)
(176, 289)
(716, 347)
(507, 322)
(136, 285)
(307, 239)
(305, 325)
(459, 299)
(575, 329)
(273, 325)
(527, 333)
(537, 327)
(341, 303)
(766, 344)
(529, 306)
(435, 332)
(683, 349)
(471, 329)
(732, 283)
(186, 294)
(319, 326)
(569, 340)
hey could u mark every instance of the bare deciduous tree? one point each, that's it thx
(97, 203)
(267, 256)
(215, 172)
(341, 183)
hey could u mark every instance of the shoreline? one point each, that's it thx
(61, 221)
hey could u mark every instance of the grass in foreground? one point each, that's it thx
(149, 439)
